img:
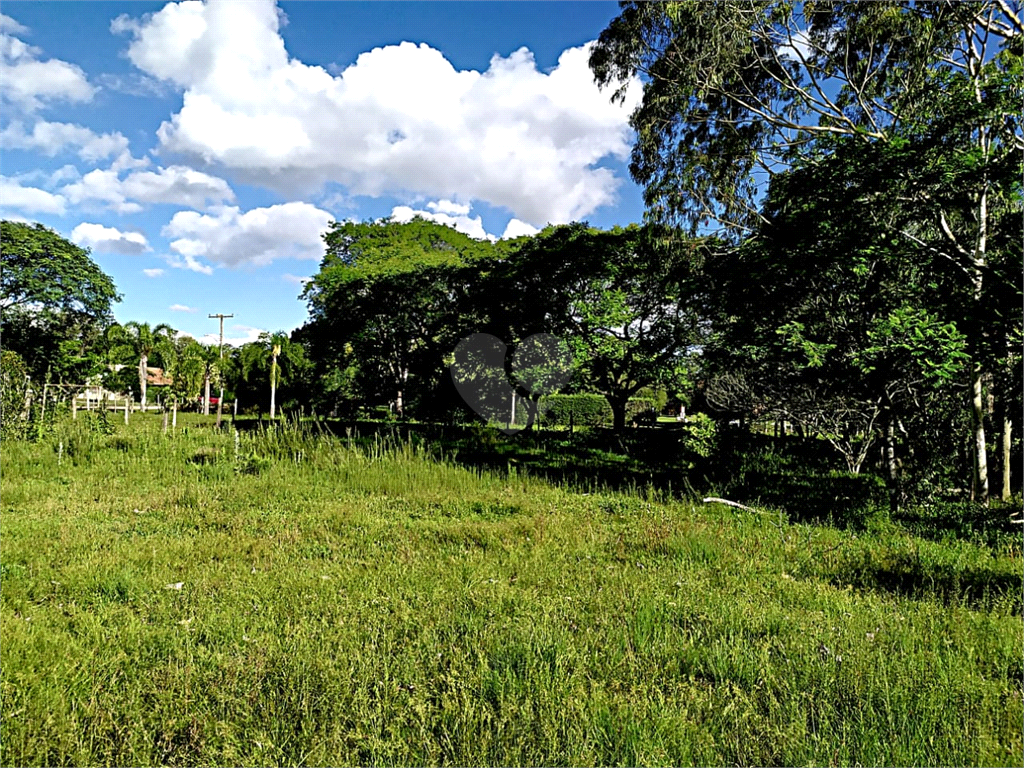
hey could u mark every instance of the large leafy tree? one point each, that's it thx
(737, 92)
(145, 344)
(55, 302)
(829, 322)
(388, 299)
(628, 305)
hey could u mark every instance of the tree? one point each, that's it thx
(737, 92)
(193, 369)
(187, 370)
(389, 298)
(279, 353)
(54, 301)
(143, 342)
(627, 306)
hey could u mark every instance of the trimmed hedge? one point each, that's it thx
(581, 410)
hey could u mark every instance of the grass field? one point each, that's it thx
(291, 598)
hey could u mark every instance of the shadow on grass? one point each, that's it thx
(907, 576)
(963, 520)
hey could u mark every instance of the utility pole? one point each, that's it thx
(220, 400)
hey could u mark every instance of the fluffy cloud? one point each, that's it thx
(7, 24)
(110, 239)
(14, 196)
(51, 138)
(191, 263)
(176, 185)
(28, 82)
(256, 237)
(400, 120)
(182, 308)
(153, 272)
(457, 217)
(516, 228)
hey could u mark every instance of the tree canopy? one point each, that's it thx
(55, 302)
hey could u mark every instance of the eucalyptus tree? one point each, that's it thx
(144, 343)
(737, 92)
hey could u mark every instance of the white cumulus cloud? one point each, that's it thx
(516, 228)
(7, 24)
(182, 308)
(153, 272)
(51, 138)
(401, 120)
(28, 82)
(110, 239)
(190, 263)
(457, 217)
(176, 185)
(256, 237)
(14, 196)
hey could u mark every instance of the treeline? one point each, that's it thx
(833, 240)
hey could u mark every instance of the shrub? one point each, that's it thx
(700, 435)
(13, 386)
(581, 410)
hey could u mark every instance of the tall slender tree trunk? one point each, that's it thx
(1007, 440)
(206, 393)
(403, 377)
(273, 386)
(980, 485)
(891, 474)
(143, 363)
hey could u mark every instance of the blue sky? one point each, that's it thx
(200, 149)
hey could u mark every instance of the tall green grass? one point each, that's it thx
(365, 600)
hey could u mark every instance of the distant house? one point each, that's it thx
(155, 377)
(94, 389)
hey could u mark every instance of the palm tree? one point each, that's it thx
(282, 354)
(209, 357)
(144, 342)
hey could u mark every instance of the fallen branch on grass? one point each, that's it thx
(716, 500)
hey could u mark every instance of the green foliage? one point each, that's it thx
(54, 303)
(14, 384)
(627, 303)
(389, 302)
(144, 346)
(888, 139)
(43, 270)
(581, 410)
(700, 435)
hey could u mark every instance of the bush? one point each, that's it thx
(700, 435)
(13, 386)
(580, 410)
